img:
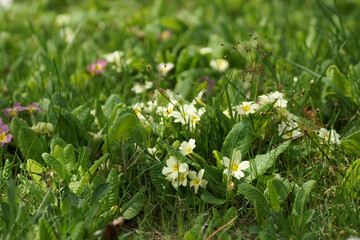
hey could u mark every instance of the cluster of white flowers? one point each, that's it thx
(43, 128)
(329, 136)
(178, 172)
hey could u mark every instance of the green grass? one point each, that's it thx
(100, 145)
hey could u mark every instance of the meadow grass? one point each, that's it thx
(217, 119)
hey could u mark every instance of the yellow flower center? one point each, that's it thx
(176, 168)
(31, 110)
(196, 181)
(189, 150)
(182, 178)
(288, 134)
(137, 112)
(13, 112)
(98, 67)
(170, 110)
(2, 137)
(246, 108)
(234, 167)
(326, 135)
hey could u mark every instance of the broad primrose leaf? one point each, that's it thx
(351, 181)
(301, 197)
(239, 137)
(273, 196)
(282, 187)
(54, 142)
(209, 198)
(54, 164)
(100, 191)
(77, 186)
(15, 126)
(110, 103)
(214, 177)
(256, 198)
(261, 163)
(229, 215)
(121, 131)
(98, 162)
(133, 206)
(113, 195)
(35, 169)
(45, 230)
(66, 156)
(30, 144)
(351, 143)
(184, 82)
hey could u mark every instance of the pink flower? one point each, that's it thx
(96, 67)
(33, 107)
(4, 137)
(12, 112)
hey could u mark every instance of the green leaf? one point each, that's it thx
(98, 162)
(78, 231)
(54, 164)
(209, 198)
(256, 198)
(218, 156)
(239, 137)
(262, 163)
(30, 145)
(217, 218)
(184, 82)
(301, 197)
(35, 169)
(307, 216)
(56, 141)
(110, 103)
(134, 206)
(282, 187)
(229, 215)
(45, 230)
(351, 143)
(273, 197)
(16, 125)
(351, 181)
(121, 130)
(113, 195)
(100, 191)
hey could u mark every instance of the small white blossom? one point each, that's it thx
(187, 147)
(174, 168)
(235, 166)
(219, 64)
(247, 107)
(329, 136)
(288, 130)
(205, 50)
(197, 180)
(164, 68)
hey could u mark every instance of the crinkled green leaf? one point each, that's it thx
(300, 198)
(262, 163)
(239, 137)
(255, 197)
(209, 198)
(133, 206)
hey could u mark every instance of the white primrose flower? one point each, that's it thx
(174, 168)
(115, 58)
(197, 180)
(219, 64)
(247, 107)
(140, 88)
(164, 68)
(329, 136)
(276, 97)
(205, 50)
(138, 107)
(288, 115)
(198, 98)
(288, 130)
(181, 180)
(61, 19)
(235, 166)
(187, 147)
(188, 114)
